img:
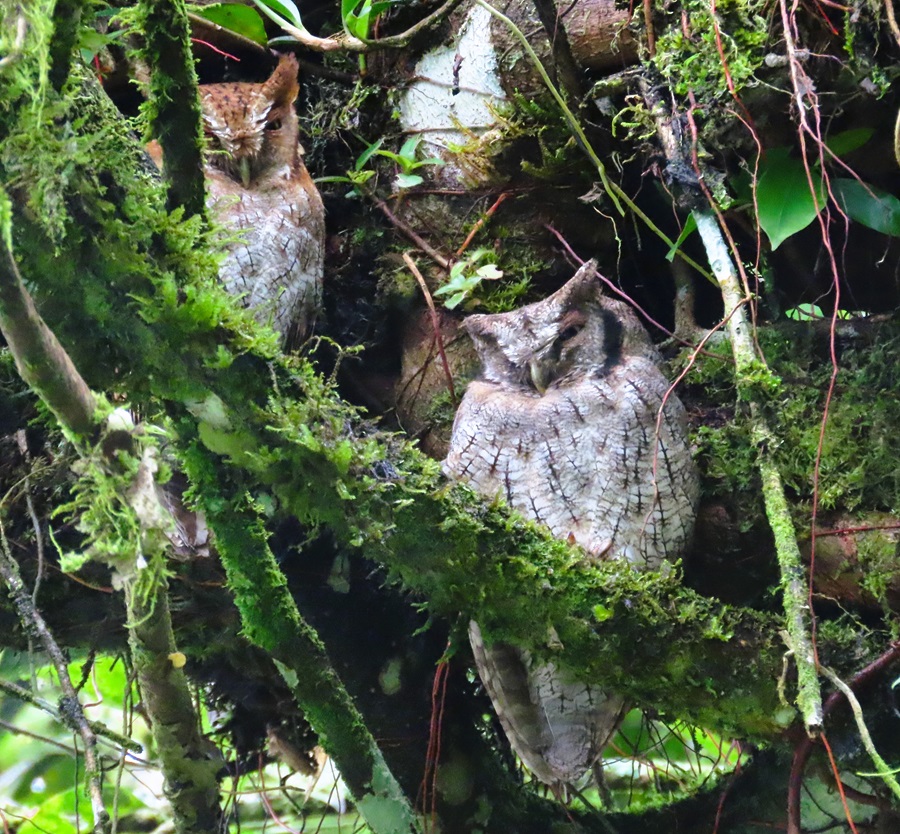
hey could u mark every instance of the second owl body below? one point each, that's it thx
(573, 424)
(259, 187)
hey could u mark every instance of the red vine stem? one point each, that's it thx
(435, 323)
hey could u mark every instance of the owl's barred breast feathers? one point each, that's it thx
(573, 424)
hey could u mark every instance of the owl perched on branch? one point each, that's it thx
(571, 425)
(259, 187)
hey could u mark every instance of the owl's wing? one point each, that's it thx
(645, 489)
(558, 727)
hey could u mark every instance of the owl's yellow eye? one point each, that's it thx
(275, 124)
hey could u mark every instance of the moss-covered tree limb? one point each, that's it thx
(662, 645)
(190, 771)
(190, 776)
(173, 101)
(752, 380)
(40, 358)
(271, 620)
(793, 577)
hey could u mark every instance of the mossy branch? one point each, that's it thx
(42, 362)
(271, 620)
(793, 577)
(752, 377)
(189, 768)
(190, 777)
(173, 101)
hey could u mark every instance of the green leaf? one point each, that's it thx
(367, 154)
(408, 150)
(805, 312)
(236, 18)
(455, 300)
(489, 272)
(783, 196)
(282, 8)
(408, 180)
(690, 225)
(849, 140)
(868, 205)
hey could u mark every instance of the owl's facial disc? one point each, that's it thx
(556, 356)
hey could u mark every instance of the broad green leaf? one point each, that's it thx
(849, 140)
(236, 18)
(868, 205)
(282, 8)
(783, 196)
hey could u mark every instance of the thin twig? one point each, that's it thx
(480, 222)
(881, 766)
(99, 728)
(70, 708)
(892, 19)
(412, 234)
(805, 747)
(22, 443)
(435, 323)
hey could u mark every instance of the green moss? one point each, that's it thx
(688, 55)
(860, 445)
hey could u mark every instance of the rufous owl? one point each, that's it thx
(573, 424)
(259, 187)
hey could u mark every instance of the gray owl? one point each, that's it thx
(567, 423)
(259, 187)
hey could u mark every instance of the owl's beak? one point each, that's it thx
(244, 168)
(540, 376)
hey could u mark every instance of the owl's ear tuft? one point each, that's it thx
(581, 287)
(282, 87)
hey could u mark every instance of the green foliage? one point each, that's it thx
(788, 197)
(860, 445)
(40, 781)
(784, 197)
(466, 276)
(688, 55)
(237, 18)
(359, 15)
(282, 12)
(407, 162)
(405, 159)
(868, 205)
